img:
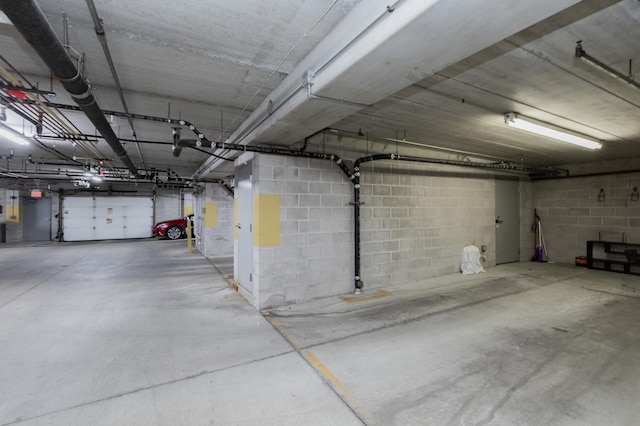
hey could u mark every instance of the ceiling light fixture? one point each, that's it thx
(512, 120)
(629, 79)
(13, 136)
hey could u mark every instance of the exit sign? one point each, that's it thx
(36, 193)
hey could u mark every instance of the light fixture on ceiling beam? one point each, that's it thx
(526, 124)
(585, 57)
(13, 136)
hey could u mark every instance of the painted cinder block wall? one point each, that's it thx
(215, 221)
(314, 257)
(571, 213)
(416, 219)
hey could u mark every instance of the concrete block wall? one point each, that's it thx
(416, 219)
(315, 256)
(571, 213)
(215, 239)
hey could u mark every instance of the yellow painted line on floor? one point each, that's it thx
(328, 375)
(275, 322)
(339, 387)
(378, 295)
(325, 374)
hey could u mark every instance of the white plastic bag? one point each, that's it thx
(470, 260)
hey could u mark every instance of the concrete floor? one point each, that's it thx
(142, 333)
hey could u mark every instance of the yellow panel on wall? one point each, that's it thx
(235, 218)
(210, 215)
(188, 210)
(266, 220)
(13, 213)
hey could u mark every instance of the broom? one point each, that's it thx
(537, 240)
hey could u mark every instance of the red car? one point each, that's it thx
(173, 229)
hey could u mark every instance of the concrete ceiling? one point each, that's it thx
(424, 73)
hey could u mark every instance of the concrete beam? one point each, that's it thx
(378, 50)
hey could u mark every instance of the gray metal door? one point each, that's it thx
(36, 217)
(244, 192)
(507, 221)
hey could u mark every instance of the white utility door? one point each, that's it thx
(507, 221)
(244, 192)
(107, 218)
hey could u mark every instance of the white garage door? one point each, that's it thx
(106, 218)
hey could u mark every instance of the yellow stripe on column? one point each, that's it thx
(210, 215)
(266, 220)
(13, 213)
(188, 210)
(235, 218)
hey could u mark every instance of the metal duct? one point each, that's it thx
(29, 20)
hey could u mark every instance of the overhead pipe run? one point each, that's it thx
(206, 143)
(129, 115)
(500, 166)
(102, 38)
(370, 137)
(29, 20)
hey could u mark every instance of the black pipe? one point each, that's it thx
(18, 111)
(128, 115)
(306, 140)
(49, 163)
(29, 20)
(220, 182)
(228, 188)
(356, 230)
(506, 167)
(206, 143)
(586, 175)
(102, 38)
(28, 106)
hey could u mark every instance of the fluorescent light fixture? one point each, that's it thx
(511, 119)
(580, 53)
(13, 136)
